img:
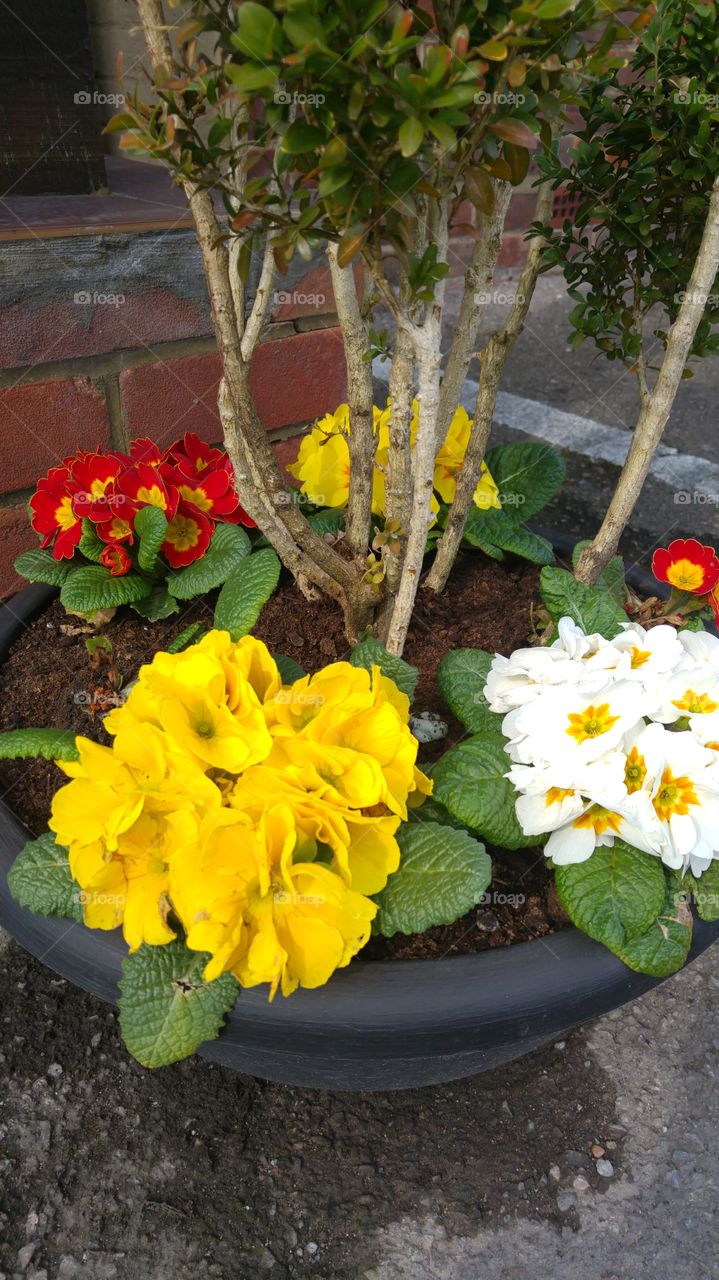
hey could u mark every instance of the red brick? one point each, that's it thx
(45, 421)
(293, 379)
(514, 251)
(60, 330)
(15, 536)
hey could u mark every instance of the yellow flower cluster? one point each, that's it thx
(323, 464)
(259, 816)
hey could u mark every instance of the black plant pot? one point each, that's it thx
(375, 1025)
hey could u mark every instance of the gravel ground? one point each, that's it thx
(597, 1153)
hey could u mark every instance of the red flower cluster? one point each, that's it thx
(192, 483)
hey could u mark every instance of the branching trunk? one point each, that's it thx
(657, 402)
(477, 281)
(427, 341)
(492, 361)
(359, 389)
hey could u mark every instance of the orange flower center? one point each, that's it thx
(590, 723)
(599, 820)
(639, 657)
(555, 795)
(686, 575)
(696, 704)
(674, 796)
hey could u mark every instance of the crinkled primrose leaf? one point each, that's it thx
(167, 1009)
(369, 653)
(40, 880)
(469, 781)
(50, 744)
(461, 676)
(442, 875)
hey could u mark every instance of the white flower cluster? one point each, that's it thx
(593, 759)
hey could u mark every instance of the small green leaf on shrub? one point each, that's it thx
(41, 566)
(442, 874)
(91, 544)
(228, 548)
(151, 528)
(590, 607)
(369, 653)
(247, 589)
(93, 587)
(40, 880)
(167, 1009)
(615, 895)
(469, 781)
(49, 744)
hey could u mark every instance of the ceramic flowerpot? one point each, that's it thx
(375, 1025)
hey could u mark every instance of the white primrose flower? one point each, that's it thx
(701, 648)
(653, 654)
(681, 779)
(570, 727)
(691, 692)
(522, 677)
(593, 811)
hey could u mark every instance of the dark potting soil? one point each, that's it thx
(50, 679)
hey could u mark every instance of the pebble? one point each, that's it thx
(577, 1159)
(313, 1247)
(673, 1179)
(561, 1044)
(580, 1183)
(555, 1172)
(566, 1200)
(54, 1070)
(427, 726)
(605, 1168)
(26, 1254)
(597, 1151)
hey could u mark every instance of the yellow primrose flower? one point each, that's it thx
(449, 462)
(323, 463)
(259, 815)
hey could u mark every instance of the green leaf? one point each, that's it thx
(493, 531)
(247, 77)
(40, 880)
(258, 34)
(288, 668)
(461, 676)
(93, 587)
(189, 636)
(91, 544)
(665, 946)
(247, 589)
(41, 566)
(151, 528)
(527, 476)
(411, 136)
(330, 520)
(49, 744)
(157, 605)
(615, 895)
(442, 875)
(302, 136)
(469, 781)
(705, 891)
(167, 1009)
(369, 653)
(590, 607)
(611, 579)
(228, 548)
